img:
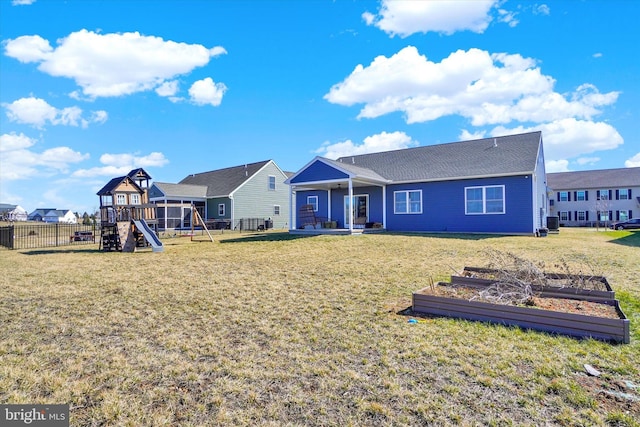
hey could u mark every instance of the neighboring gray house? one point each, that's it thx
(251, 192)
(53, 215)
(38, 214)
(594, 197)
(12, 212)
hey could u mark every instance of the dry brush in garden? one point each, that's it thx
(518, 280)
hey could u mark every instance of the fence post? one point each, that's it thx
(57, 228)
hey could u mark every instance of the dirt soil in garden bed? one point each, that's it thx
(564, 305)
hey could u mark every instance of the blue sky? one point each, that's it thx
(92, 89)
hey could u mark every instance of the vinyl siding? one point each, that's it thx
(443, 208)
(254, 199)
(319, 171)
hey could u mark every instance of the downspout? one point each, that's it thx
(233, 216)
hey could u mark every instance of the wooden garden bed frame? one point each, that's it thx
(576, 325)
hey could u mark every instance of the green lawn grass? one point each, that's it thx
(274, 329)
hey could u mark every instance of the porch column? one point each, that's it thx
(350, 206)
(291, 209)
(329, 205)
(384, 207)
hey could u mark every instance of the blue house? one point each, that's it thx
(491, 185)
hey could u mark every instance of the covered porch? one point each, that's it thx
(330, 197)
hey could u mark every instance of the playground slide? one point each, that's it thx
(148, 234)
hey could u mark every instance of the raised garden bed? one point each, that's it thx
(578, 315)
(557, 285)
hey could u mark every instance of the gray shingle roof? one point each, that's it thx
(182, 190)
(361, 172)
(500, 156)
(223, 182)
(603, 178)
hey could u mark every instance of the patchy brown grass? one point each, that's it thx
(271, 329)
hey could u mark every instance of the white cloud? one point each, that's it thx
(597, 55)
(633, 162)
(11, 142)
(37, 113)
(542, 9)
(169, 88)
(406, 17)
(506, 91)
(121, 164)
(587, 160)
(106, 65)
(207, 92)
(556, 166)
(570, 138)
(466, 135)
(22, 2)
(508, 17)
(485, 88)
(383, 141)
(20, 161)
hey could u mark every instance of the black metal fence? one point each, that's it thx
(41, 235)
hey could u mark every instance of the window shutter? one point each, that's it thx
(569, 213)
(586, 195)
(610, 194)
(575, 215)
(586, 215)
(610, 215)
(630, 214)
(558, 196)
(617, 194)
(569, 195)
(617, 215)
(598, 195)
(575, 195)
(629, 196)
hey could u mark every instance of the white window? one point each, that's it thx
(313, 201)
(581, 216)
(623, 194)
(221, 209)
(484, 200)
(604, 195)
(272, 182)
(407, 202)
(135, 199)
(276, 209)
(564, 196)
(624, 215)
(564, 216)
(121, 199)
(603, 215)
(581, 196)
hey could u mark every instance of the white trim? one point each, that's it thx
(408, 212)
(315, 205)
(484, 200)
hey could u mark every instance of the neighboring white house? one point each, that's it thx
(595, 197)
(12, 212)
